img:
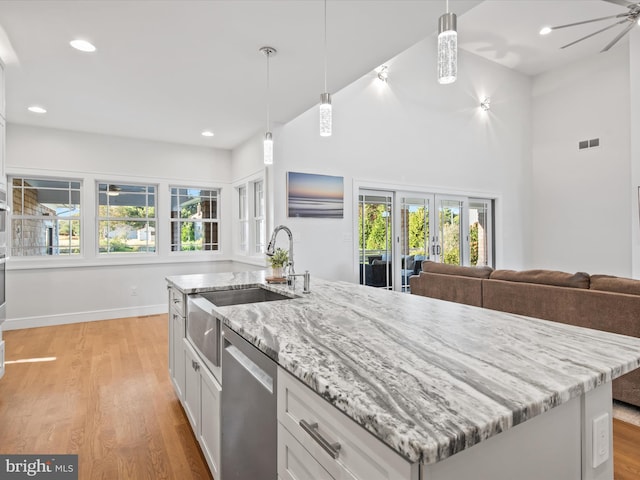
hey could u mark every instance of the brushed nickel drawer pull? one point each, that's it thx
(312, 429)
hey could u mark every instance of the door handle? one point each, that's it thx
(333, 449)
(438, 249)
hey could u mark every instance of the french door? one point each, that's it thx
(399, 230)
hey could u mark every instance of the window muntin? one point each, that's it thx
(126, 218)
(258, 217)
(195, 214)
(45, 218)
(243, 221)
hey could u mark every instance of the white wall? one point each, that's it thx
(581, 207)
(420, 134)
(634, 59)
(59, 290)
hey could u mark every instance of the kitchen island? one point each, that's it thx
(431, 379)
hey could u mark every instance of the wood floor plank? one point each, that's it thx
(105, 395)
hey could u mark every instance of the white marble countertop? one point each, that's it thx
(429, 378)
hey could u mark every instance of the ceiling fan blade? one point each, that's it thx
(624, 3)
(620, 15)
(594, 33)
(618, 37)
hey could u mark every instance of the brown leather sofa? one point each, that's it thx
(601, 302)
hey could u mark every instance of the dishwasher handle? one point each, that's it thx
(251, 367)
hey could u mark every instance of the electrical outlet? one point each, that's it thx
(134, 291)
(600, 452)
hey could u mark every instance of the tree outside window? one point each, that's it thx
(126, 218)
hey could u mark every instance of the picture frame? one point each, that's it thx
(311, 195)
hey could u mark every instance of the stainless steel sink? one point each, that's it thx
(223, 298)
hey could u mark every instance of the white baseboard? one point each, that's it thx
(78, 317)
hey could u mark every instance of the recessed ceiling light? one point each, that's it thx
(37, 109)
(82, 45)
(207, 133)
(545, 31)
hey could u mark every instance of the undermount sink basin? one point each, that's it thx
(223, 298)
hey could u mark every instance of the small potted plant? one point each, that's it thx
(278, 260)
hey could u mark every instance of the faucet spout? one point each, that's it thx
(271, 248)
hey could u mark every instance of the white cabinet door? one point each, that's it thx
(176, 354)
(296, 463)
(191, 402)
(210, 420)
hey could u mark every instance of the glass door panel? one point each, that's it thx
(414, 236)
(375, 238)
(480, 230)
(451, 234)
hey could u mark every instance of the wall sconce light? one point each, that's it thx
(486, 104)
(383, 73)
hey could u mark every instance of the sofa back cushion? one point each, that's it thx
(452, 288)
(544, 277)
(444, 269)
(609, 283)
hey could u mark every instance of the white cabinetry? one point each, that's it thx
(196, 387)
(3, 122)
(177, 316)
(202, 406)
(315, 440)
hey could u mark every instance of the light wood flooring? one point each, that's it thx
(102, 390)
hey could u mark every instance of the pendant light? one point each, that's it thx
(447, 47)
(268, 137)
(325, 98)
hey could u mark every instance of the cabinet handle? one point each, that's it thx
(195, 365)
(176, 300)
(312, 429)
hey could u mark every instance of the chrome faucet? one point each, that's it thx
(291, 273)
(271, 248)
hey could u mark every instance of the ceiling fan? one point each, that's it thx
(630, 17)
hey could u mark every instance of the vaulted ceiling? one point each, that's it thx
(167, 70)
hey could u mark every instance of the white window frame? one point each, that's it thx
(14, 216)
(215, 220)
(247, 218)
(147, 219)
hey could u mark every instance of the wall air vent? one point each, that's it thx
(594, 142)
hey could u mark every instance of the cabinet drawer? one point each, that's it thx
(294, 462)
(176, 301)
(360, 455)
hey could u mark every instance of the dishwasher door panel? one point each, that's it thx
(248, 411)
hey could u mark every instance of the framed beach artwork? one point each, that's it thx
(315, 196)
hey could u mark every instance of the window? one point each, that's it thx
(46, 217)
(126, 218)
(258, 216)
(194, 219)
(243, 221)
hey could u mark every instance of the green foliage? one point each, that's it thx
(279, 258)
(473, 243)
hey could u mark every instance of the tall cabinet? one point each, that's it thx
(3, 186)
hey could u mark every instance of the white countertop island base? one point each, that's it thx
(445, 391)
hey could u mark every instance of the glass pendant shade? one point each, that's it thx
(325, 115)
(268, 149)
(447, 49)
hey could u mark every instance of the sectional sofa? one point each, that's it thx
(601, 302)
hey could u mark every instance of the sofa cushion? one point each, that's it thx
(544, 277)
(610, 283)
(444, 269)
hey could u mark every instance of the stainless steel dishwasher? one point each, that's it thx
(248, 410)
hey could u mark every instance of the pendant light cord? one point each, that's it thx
(268, 90)
(325, 46)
